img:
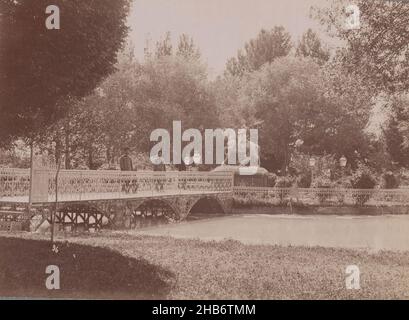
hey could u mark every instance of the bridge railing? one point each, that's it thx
(323, 196)
(74, 185)
(14, 182)
(83, 184)
(77, 185)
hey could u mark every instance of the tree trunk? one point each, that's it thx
(90, 158)
(108, 154)
(57, 147)
(67, 145)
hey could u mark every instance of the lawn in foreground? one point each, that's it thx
(85, 272)
(194, 269)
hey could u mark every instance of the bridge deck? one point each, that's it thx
(95, 185)
(91, 185)
(109, 196)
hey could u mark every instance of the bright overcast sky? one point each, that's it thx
(218, 27)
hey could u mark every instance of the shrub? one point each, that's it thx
(304, 180)
(404, 177)
(342, 183)
(390, 181)
(284, 182)
(249, 201)
(271, 179)
(322, 183)
(363, 179)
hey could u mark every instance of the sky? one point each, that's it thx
(218, 27)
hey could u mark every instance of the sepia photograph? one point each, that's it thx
(204, 150)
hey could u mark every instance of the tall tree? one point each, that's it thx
(164, 46)
(378, 47)
(397, 132)
(40, 67)
(311, 46)
(131, 103)
(227, 92)
(187, 48)
(294, 99)
(268, 46)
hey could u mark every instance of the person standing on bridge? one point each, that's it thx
(125, 163)
(159, 165)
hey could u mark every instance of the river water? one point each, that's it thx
(388, 232)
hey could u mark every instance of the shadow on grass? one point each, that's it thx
(85, 272)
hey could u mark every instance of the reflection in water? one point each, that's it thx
(204, 215)
(148, 219)
(369, 232)
(157, 213)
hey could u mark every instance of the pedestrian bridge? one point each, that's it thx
(97, 195)
(97, 198)
(90, 185)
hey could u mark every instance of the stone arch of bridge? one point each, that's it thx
(184, 205)
(181, 206)
(114, 213)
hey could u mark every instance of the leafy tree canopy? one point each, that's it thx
(397, 131)
(268, 46)
(293, 98)
(41, 67)
(378, 50)
(311, 46)
(132, 102)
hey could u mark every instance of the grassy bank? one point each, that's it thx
(132, 266)
(85, 271)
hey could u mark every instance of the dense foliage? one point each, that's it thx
(40, 68)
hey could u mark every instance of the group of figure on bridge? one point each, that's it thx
(125, 164)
